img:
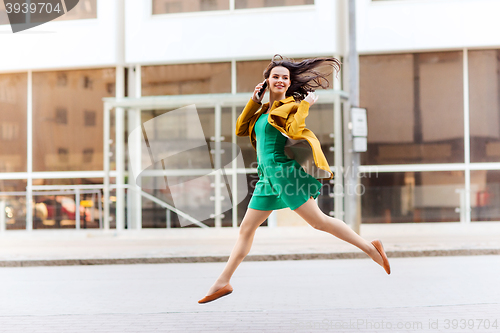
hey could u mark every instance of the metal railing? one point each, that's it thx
(95, 189)
(62, 190)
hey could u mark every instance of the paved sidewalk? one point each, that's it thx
(455, 294)
(90, 247)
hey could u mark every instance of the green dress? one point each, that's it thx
(282, 180)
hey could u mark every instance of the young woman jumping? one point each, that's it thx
(282, 180)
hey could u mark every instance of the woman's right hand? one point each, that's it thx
(311, 98)
(255, 97)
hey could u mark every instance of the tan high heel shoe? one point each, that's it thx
(226, 290)
(380, 248)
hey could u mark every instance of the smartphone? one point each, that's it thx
(261, 91)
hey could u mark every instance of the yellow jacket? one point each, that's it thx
(288, 117)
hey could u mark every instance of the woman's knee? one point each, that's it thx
(318, 222)
(247, 229)
(313, 216)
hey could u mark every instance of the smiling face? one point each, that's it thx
(279, 80)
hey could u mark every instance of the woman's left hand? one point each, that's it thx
(311, 98)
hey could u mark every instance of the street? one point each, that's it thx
(425, 294)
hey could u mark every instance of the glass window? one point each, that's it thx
(247, 151)
(61, 116)
(240, 4)
(54, 212)
(69, 181)
(15, 203)
(252, 179)
(4, 18)
(415, 107)
(164, 133)
(410, 196)
(84, 9)
(226, 160)
(204, 78)
(89, 118)
(182, 6)
(51, 209)
(485, 195)
(484, 105)
(13, 109)
(61, 101)
(250, 73)
(320, 122)
(57, 209)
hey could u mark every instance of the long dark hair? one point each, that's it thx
(304, 75)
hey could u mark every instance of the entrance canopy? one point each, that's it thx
(205, 100)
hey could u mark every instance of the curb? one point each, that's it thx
(270, 257)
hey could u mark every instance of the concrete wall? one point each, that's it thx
(383, 27)
(65, 44)
(412, 25)
(223, 35)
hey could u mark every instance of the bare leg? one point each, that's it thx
(311, 213)
(251, 221)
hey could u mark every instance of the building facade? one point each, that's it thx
(429, 80)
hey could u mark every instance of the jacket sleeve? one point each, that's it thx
(296, 123)
(244, 119)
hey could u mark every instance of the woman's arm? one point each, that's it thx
(295, 124)
(253, 105)
(244, 119)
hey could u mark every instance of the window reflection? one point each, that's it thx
(4, 19)
(194, 198)
(184, 192)
(174, 132)
(51, 209)
(85, 9)
(15, 203)
(252, 179)
(204, 78)
(484, 88)
(320, 122)
(181, 6)
(67, 119)
(249, 74)
(247, 151)
(411, 196)
(485, 195)
(240, 4)
(226, 160)
(58, 209)
(415, 107)
(13, 109)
